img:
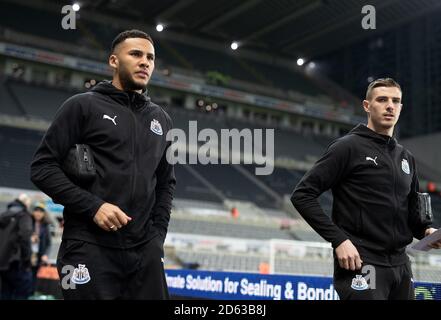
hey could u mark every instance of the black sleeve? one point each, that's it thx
(24, 237)
(46, 174)
(165, 186)
(416, 223)
(326, 172)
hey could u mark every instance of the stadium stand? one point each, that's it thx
(220, 262)
(172, 53)
(7, 102)
(18, 147)
(46, 21)
(190, 187)
(243, 189)
(231, 229)
(206, 195)
(47, 104)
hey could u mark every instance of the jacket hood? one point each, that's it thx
(363, 131)
(126, 98)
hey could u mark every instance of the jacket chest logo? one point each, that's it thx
(405, 166)
(374, 160)
(110, 118)
(155, 126)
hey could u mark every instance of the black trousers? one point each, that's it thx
(88, 271)
(374, 282)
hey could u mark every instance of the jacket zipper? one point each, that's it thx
(394, 170)
(134, 171)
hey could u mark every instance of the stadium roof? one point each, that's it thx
(291, 28)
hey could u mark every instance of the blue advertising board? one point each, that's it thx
(253, 286)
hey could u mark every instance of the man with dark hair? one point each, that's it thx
(115, 224)
(374, 216)
(129, 34)
(382, 82)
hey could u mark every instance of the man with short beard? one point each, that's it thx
(115, 225)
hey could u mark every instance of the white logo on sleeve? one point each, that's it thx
(405, 166)
(109, 118)
(155, 126)
(373, 160)
(80, 275)
(359, 283)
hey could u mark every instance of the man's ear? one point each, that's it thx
(113, 61)
(366, 106)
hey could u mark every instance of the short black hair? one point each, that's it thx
(129, 34)
(381, 82)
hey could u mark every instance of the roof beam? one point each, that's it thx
(333, 25)
(390, 24)
(231, 14)
(170, 11)
(296, 14)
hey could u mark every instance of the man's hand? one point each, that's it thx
(433, 245)
(348, 256)
(110, 218)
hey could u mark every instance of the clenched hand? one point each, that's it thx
(110, 217)
(348, 256)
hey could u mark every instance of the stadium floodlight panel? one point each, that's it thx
(159, 27)
(76, 6)
(300, 61)
(234, 45)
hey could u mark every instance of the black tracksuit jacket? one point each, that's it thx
(130, 159)
(374, 183)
